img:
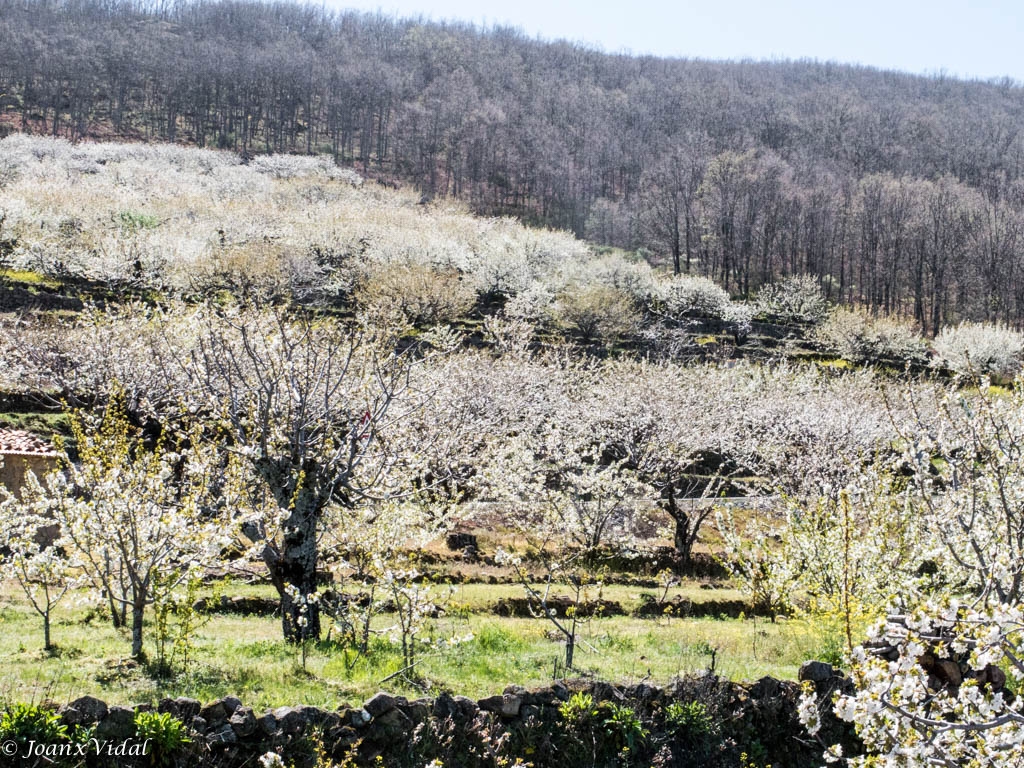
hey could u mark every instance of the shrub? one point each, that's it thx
(635, 279)
(532, 305)
(856, 336)
(133, 221)
(596, 312)
(9, 171)
(690, 716)
(980, 349)
(694, 297)
(793, 299)
(415, 294)
(690, 721)
(496, 639)
(303, 166)
(739, 316)
(259, 269)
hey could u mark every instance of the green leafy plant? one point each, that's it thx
(624, 725)
(24, 723)
(133, 221)
(167, 736)
(579, 709)
(689, 719)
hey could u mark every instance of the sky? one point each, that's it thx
(976, 39)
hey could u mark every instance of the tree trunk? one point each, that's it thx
(296, 566)
(116, 617)
(138, 609)
(682, 540)
(46, 631)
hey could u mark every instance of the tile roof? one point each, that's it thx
(18, 442)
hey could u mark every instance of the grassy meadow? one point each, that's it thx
(245, 656)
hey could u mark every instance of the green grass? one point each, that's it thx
(477, 597)
(835, 362)
(46, 424)
(244, 656)
(134, 221)
(28, 278)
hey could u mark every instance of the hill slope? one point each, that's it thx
(900, 192)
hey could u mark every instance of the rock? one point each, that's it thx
(390, 726)
(267, 723)
(561, 691)
(815, 671)
(460, 541)
(507, 705)
(225, 734)
(84, 711)
(243, 722)
(215, 712)
(490, 703)
(545, 696)
(359, 717)
(882, 650)
(467, 708)
(380, 703)
(559, 605)
(444, 706)
(231, 704)
(246, 606)
(765, 688)
(118, 725)
(993, 676)
(182, 708)
(199, 724)
(646, 692)
(290, 720)
(510, 705)
(418, 710)
(344, 736)
(320, 718)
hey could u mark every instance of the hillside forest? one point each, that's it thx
(896, 192)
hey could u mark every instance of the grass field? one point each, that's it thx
(245, 656)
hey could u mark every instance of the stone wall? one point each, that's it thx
(757, 720)
(15, 467)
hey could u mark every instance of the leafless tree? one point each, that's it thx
(309, 403)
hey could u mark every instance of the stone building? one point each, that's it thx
(20, 452)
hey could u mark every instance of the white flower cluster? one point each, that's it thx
(981, 349)
(930, 689)
(302, 603)
(271, 760)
